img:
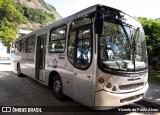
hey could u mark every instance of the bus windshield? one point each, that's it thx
(122, 45)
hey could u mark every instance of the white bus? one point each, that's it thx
(97, 57)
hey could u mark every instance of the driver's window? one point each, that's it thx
(80, 43)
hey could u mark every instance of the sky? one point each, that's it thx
(138, 8)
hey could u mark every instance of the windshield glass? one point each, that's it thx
(122, 45)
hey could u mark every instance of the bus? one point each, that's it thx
(97, 57)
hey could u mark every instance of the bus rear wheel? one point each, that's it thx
(19, 74)
(57, 87)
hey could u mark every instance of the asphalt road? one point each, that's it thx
(23, 92)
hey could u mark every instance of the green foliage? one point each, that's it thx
(7, 35)
(47, 6)
(154, 76)
(35, 15)
(10, 18)
(152, 32)
(28, 28)
(12, 14)
(9, 12)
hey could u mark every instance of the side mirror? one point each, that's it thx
(99, 24)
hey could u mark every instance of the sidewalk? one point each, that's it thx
(153, 93)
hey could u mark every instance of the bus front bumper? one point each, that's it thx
(105, 100)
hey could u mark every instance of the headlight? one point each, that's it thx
(114, 88)
(110, 86)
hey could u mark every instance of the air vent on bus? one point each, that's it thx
(131, 98)
(134, 79)
(130, 86)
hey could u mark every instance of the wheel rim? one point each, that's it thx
(57, 86)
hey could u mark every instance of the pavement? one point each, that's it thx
(152, 95)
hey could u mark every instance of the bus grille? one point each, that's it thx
(130, 86)
(131, 98)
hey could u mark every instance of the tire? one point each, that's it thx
(19, 74)
(57, 87)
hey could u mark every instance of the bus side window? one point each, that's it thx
(79, 43)
(31, 44)
(23, 45)
(83, 48)
(57, 40)
(71, 45)
(17, 47)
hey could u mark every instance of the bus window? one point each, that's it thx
(79, 43)
(81, 22)
(17, 47)
(71, 44)
(31, 44)
(83, 57)
(57, 40)
(23, 45)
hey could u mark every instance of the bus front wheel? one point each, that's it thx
(57, 87)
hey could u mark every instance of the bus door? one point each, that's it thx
(83, 68)
(40, 57)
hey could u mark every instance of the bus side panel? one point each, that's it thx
(30, 65)
(68, 78)
(27, 64)
(58, 62)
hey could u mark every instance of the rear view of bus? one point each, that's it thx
(122, 71)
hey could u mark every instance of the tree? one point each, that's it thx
(152, 32)
(7, 35)
(10, 18)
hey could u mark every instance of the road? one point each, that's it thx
(23, 91)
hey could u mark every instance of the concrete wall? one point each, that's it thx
(3, 52)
